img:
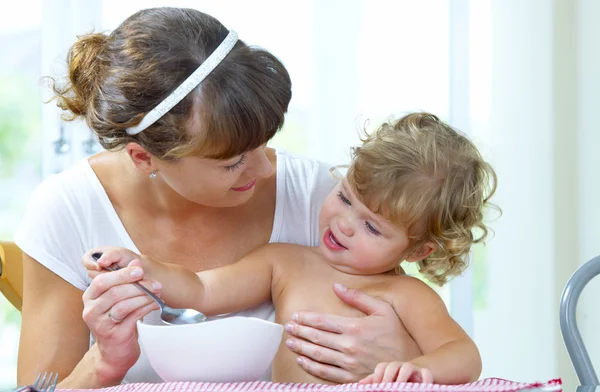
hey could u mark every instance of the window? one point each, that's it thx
(353, 63)
(20, 143)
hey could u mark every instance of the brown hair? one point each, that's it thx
(114, 80)
(427, 177)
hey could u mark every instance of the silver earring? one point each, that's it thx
(152, 174)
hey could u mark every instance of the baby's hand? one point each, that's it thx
(398, 372)
(111, 256)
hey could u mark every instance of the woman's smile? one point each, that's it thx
(246, 187)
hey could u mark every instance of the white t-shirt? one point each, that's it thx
(70, 213)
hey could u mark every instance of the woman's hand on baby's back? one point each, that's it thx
(346, 349)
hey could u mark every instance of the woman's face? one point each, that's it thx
(217, 183)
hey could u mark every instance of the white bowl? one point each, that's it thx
(223, 350)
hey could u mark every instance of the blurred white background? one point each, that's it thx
(519, 76)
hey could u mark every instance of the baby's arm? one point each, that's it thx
(231, 288)
(448, 352)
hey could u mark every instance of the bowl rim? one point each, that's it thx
(267, 329)
(212, 322)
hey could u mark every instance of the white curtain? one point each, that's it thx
(543, 138)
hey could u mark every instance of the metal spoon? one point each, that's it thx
(168, 315)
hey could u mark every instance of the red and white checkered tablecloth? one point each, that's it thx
(485, 385)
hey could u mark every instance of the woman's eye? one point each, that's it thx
(237, 164)
(344, 199)
(372, 229)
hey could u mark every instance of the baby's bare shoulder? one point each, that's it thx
(285, 256)
(401, 283)
(407, 292)
(289, 262)
(287, 251)
(285, 247)
(277, 249)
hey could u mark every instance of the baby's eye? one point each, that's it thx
(344, 199)
(372, 229)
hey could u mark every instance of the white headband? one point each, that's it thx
(188, 85)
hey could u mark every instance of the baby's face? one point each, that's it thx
(354, 239)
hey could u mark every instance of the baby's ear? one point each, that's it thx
(422, 252)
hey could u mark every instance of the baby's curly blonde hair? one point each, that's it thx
(425, 176)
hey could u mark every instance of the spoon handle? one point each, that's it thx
(160, 302)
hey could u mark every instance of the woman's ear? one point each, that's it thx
(141, 158)
(422, 252)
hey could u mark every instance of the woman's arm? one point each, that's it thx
(55, 337)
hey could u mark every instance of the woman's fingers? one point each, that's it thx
(123, 309)
(103, 282)
(317, 336)
(139, 313)
(112, 290)
(326, 372)
(315, 352)
(324, 322)
(120, 301)
(361, 301)
(325, 347)
(340, 349)
(328, 347)
(364, 342)
(93, 274)
(112, 306)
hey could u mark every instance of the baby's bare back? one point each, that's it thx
(303, 281)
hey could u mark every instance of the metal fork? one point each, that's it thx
(43, 383)
(44, 386)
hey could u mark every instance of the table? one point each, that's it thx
(485, 385)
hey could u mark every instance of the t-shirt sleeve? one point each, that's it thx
(306, 183)
(323, 181)
(51, 233)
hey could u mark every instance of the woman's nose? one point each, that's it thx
(346, 225)
(261, 165)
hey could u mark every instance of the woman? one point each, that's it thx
(185, 111)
